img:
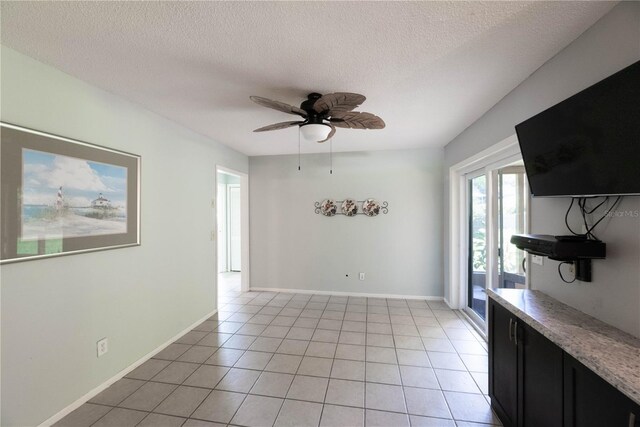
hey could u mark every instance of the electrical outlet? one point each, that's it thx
(102, 347)
(537, 259)
(213, 203)
(213, 236)
(361, 276)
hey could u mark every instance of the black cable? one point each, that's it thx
(603, 217)
(566, 217)
(560, 272)
(606, 199)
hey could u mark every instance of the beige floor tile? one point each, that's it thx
(238, 380)
(148, 396)
(253, 360)
(344, 392)
(160, 420)
(120, 417)
(176, 372)
(383, 373)
(84, 416)
(183, 401)
(312, 389)
(416, 376)
(272, 384)
(350, 352)
(385, 397)
(348, 370)
(315, 366)
(284, 363)
(386, 419)
(341, 416)
(219, 406)
(427, 402)
(207, 376)
(257, 411)
(117, 392)
(225, 357)
(299, 414)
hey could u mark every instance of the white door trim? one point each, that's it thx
(245, 278)
(491, 157)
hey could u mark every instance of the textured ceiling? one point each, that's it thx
(429, 69)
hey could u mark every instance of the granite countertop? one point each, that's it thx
(607, 351)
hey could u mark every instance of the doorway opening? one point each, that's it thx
(232, 233)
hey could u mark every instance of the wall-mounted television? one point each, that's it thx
(588, 144)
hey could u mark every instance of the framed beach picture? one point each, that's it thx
(61, 196)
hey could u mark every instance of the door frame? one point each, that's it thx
(245, 278)
(228, 227)
(501, 154)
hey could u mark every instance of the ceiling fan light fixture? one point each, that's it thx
(315, 132)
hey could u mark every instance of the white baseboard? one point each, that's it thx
(88, 396)
(345, 294)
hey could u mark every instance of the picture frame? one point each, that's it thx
(60, 196)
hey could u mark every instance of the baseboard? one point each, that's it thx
(346, 294)
(88, 396)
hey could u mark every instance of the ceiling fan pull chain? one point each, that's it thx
(298, 148)
(331, 156)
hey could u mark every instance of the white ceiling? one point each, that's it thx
(429, 69)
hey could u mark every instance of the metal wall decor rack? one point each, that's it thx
(329, 207)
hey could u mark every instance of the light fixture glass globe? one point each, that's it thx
(315, 132)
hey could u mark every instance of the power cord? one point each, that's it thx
(560, 272)
(584, 211)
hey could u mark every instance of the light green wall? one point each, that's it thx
(293, 247)
(54, 310)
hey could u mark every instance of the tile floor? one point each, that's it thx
(284, 359)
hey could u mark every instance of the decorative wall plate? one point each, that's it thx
(328, 207)
(349, 207)
(370, 207)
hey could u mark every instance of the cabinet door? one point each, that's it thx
(591, 401)
(503, 364)
(541, 379)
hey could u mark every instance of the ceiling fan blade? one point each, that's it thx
(276, 126)
(333, 131)
(277, 105)
(338, 102)
(357, 120)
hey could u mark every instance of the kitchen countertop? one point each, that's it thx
(607, 351)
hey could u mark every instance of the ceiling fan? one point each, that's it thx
(322, 114)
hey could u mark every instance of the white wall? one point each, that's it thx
(294, 248)
(610, 45)
(54, 310)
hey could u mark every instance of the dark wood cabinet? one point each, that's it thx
(591, 401)
(503, 364)
(541, 380)
(525, 372)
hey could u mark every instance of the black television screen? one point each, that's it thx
(589, 144)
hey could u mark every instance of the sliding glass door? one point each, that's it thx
(497, 204)
(477, 273)
(512, 219)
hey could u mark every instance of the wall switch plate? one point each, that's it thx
(361, 276)
(213, 203)
(102, 347)
(213, 236)
(537, 259)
